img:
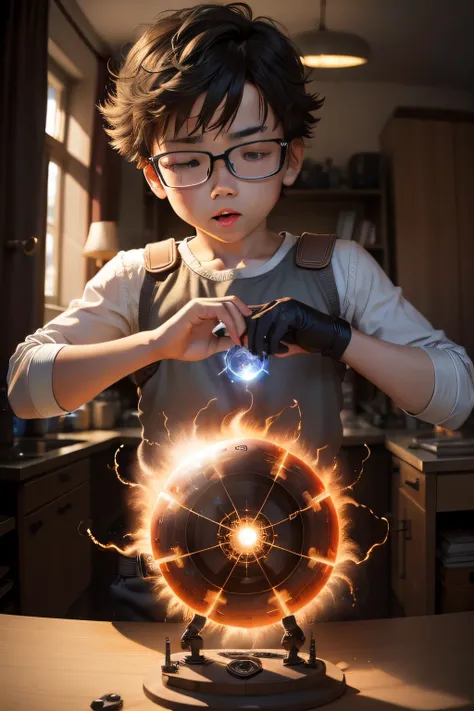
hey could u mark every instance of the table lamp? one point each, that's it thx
(102, 242)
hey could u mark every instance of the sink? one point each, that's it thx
(31, 447)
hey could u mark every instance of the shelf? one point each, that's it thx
(7, 524)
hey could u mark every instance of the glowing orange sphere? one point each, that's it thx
(245, 533)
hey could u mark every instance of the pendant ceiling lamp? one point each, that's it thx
(323, 48)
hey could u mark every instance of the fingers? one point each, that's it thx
(230, 310)
(235, 301)
(238, 318)
(229, 317)
(218, 345)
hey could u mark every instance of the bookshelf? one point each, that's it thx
(317, 210)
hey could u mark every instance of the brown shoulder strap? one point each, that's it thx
(314, 251)
(161, 256)
(161, 259)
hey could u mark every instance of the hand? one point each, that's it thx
(287, 321)
(188, 334)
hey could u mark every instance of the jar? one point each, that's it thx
(103, 414)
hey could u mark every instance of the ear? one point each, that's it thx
(153, 181)
(295, 159)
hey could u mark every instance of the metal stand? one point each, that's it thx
(312, 661)
(193, 641)
(169, 667)
(292, 641)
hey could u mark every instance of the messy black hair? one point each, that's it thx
(212, 49)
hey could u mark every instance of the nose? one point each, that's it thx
(222, 181)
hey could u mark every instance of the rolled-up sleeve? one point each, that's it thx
(374, 305)
(106, 311)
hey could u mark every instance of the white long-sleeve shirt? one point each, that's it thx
(108, 310)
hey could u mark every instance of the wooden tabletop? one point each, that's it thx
(419, 663)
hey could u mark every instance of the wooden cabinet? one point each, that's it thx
(55, 560)
(417, 500)
(413, 538)
(431, 176)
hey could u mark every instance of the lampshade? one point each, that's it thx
(323, 48)
(102, 241)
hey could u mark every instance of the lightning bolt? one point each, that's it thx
(195, 425)
(315, 462)
(165, 423)
(115, 468)
(107, 546)
(351, 486)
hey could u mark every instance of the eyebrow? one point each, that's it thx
(236, 134)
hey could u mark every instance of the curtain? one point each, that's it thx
(105, 164)
(23, 97)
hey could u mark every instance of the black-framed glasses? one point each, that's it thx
(248, 161)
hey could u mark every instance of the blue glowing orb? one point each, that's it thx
(241, 364)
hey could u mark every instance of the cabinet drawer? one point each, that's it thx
(412, 483)
(455, 492)
(55, 560)
(46, 488)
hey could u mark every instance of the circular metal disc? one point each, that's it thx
(245, 534)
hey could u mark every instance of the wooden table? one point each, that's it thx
(419, 663)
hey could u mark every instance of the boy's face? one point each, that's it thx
(253, 199)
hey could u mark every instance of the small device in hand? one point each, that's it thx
(220, 330)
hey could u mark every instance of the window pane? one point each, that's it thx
(53, 216)
(55, 108)
(51, 110)
(50, 267)
(53, 193)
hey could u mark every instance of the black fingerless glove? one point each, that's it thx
(294, 322)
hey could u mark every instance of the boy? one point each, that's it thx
(212, 105)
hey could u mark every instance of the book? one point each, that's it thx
(448, 446)
(365, 233)
(458, 540)
(346, 224)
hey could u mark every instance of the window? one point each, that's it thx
(56, 133)
(55, 114)
(52, 230)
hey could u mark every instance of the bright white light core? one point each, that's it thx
(247, 536)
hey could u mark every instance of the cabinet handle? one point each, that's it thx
(413, 484)
(405, 528)
(35, 527)
(63, 509)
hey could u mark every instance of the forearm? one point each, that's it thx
(404, 373)
(81, 372)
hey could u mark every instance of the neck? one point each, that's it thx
(255, 248)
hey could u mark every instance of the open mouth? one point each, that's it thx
(226, 217)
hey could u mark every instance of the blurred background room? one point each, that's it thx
(391, 165)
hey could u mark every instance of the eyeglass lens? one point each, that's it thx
(252, 161)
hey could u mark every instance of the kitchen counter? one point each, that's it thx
(88, 442)
(424, 461)
(92, 441)
(49, 664)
